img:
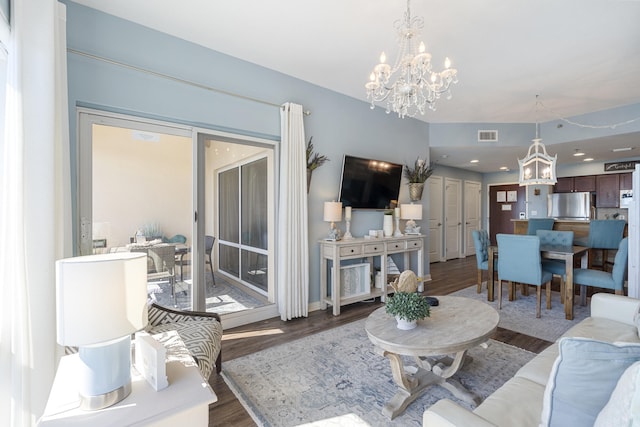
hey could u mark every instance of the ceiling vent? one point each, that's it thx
(487, 136)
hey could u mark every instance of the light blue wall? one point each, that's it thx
(339, 124)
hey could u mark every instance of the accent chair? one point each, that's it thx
(604, 279)
(556, 267)
(535, 224)
(519, 260)
(481, 243)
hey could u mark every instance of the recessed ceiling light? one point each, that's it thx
(588, 159)
(504, 168)
(444, 156)
(475, 161)
(617, 150)
(578, 154)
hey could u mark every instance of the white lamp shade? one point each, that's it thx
(333, 211)
(411, 211)
(100, 297)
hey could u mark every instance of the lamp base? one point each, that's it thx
(93, 403)
(104, 373)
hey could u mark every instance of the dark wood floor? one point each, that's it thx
(446, 278)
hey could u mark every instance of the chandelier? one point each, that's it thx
(538, 167)
(415, 85)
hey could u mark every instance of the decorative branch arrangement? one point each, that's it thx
(420, 171)
(314, 160)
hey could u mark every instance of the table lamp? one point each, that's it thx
(411, 213)
(333, 213)
(101, 300)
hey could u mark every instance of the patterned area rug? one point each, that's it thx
(520, 315)
(335, 378)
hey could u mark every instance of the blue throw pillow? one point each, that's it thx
(582, 379)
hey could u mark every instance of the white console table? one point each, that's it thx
(338, 251)
(185, 402)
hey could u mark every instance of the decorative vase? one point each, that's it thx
(415, 191)
(387, 226)
(404, 324)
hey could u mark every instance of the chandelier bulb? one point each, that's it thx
(422, 47)
(372, 76)
(383, 58)
(447, 62)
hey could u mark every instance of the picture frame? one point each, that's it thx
(355, 280)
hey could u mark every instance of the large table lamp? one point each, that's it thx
(411, 212)
(333, 213)
(101, 300)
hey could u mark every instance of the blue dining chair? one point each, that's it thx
(556, 267)
(604, 235)
(520, 261)
(535, 224)
(604, 279)
(481, 244)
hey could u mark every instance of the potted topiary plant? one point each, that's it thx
(407, 305)
(417, 175)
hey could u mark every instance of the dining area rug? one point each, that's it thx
(335, 378)
(520, 315)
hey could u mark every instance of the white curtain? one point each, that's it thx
(35, 210)
(293, 246)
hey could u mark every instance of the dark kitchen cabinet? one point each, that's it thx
(584, 183)
(625, 181)
(563, 185)
(608, 191)
(577, 183)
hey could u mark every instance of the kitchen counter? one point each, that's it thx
(580, 228)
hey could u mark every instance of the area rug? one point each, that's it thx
(520, 315)
(335, 378)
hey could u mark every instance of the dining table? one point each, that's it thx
(568, 254)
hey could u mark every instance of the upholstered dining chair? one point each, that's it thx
(535, 224)
(208, 249)
(604, 235)
(556, 267)
(520, 261)
(604, 279)
(481, 244)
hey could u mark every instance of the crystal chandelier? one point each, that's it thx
(416, 86)
(538, 167)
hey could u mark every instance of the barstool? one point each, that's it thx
(604, 234)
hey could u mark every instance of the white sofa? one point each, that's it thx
(519, 402)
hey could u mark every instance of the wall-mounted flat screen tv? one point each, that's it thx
(369, 184)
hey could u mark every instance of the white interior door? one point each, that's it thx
(452, 218)
(435, 219)
(472, 203)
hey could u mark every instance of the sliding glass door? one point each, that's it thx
(244, 215)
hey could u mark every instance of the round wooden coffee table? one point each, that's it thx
(456, 325)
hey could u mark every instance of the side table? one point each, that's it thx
(185, 402)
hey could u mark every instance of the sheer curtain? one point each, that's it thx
(293, 246)
(34, 210)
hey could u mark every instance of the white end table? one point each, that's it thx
(185, 402)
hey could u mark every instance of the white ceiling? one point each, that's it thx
(580, 56)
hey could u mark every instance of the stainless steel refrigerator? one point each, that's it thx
(577, 206)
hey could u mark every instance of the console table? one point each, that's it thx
(338, 251)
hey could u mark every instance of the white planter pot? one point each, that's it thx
(387, 225)
(405, 325)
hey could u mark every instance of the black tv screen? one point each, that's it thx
(369, 184)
